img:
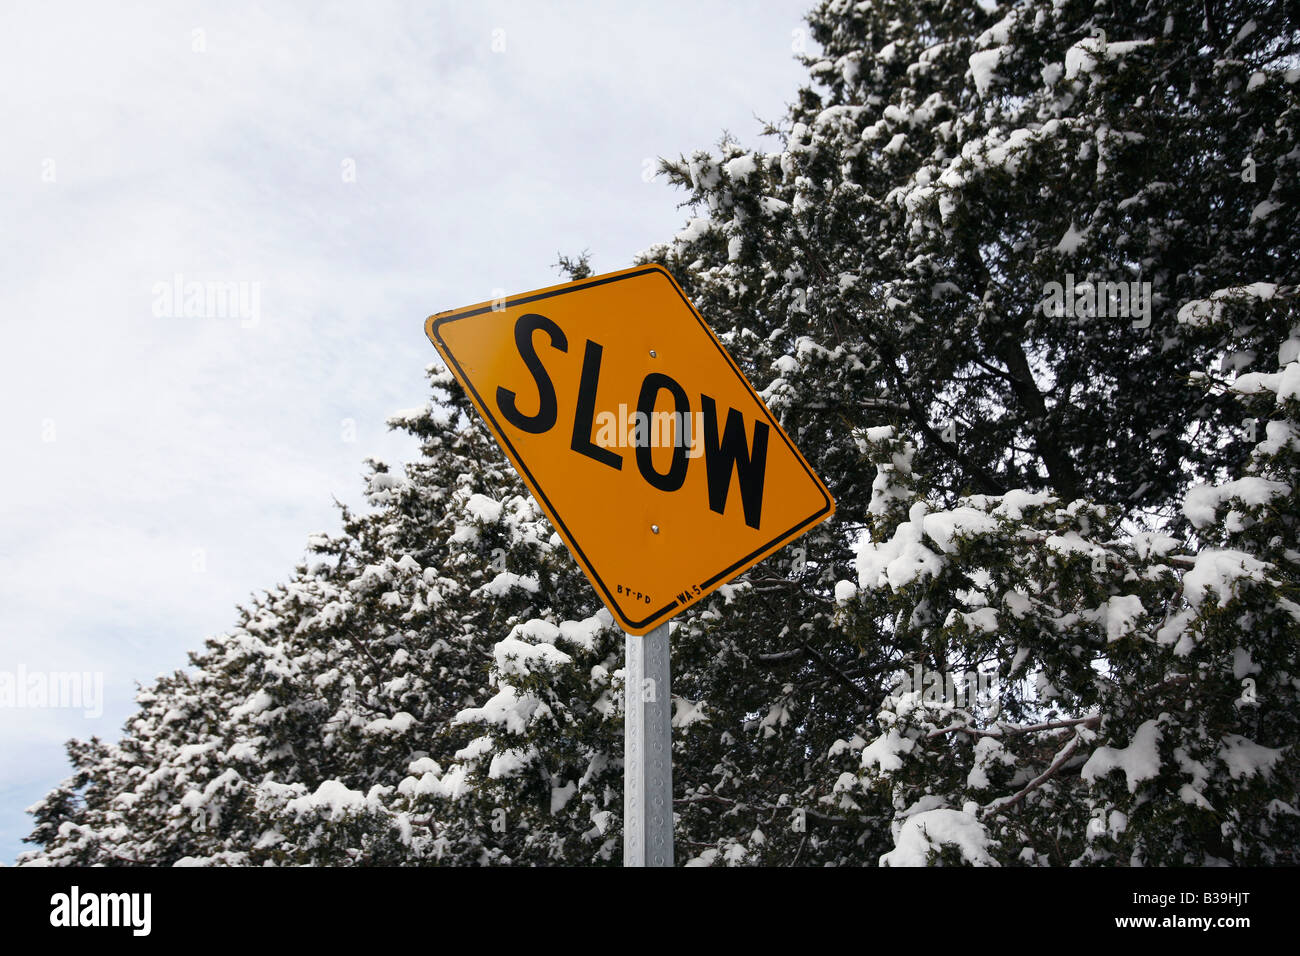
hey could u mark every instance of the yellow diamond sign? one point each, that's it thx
(649, 451)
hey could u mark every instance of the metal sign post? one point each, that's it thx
(615, 401)
(647, 751)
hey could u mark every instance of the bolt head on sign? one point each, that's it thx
(648, 450)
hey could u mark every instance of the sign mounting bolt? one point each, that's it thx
(654, 354)
(654, 528)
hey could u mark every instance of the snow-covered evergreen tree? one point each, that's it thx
(1020, 283)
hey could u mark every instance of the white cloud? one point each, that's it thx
(172, 435)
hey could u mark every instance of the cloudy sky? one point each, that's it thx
(346, 170)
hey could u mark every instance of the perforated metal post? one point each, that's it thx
(647, 752)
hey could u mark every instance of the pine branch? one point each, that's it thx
(1062, 758)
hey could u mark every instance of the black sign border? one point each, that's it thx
(433, 326)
